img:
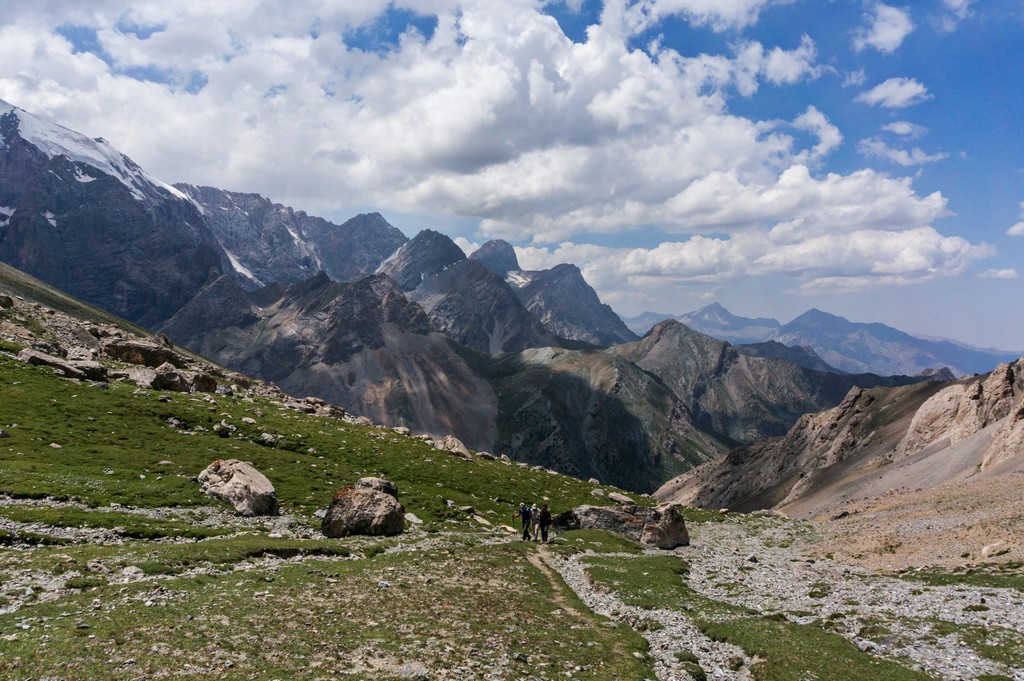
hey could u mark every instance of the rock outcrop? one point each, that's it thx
(363, 509)
(241, 485)
(662, 526)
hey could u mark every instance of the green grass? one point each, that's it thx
(482, 608)
(115, 447)
(1008, 575)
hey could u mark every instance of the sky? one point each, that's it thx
(859, 157)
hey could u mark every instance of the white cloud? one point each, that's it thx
(875, 147)
(1016, 230)
(993, 273)
(816, 122)
(828, 262)
(889, 26)
(905, 129)
(895, 93)
(855, 78)
(632, 17)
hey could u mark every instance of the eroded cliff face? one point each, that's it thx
(965, 408)
(878, 440)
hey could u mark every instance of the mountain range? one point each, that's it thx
(847, 346)
(409, 332)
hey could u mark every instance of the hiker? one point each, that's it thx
(544, 520)
(524, 514)
(535, 521)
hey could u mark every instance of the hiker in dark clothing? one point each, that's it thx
(523, 512)
(545, 522)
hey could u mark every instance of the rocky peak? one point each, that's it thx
(427, 254)
(498, 256)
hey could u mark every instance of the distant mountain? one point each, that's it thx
(716, 321)
(463, 299)
(857, 347)
(740, 397)
(643, 322)
(801, 355)
(559, 297)
(267, 242)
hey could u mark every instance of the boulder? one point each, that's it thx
(665, 527)
(379, 484)
(203, 382)
(241, 485)
(142, 352)
(450, 443)
(37, 358)
(169, 377)
(620, 498)
(662, 526)
(361, 510)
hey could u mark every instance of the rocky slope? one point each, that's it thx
(362, 345)
(594, 414)
(895, 442)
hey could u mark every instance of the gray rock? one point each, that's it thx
(241, 485)
(378, 484)
(169, 377)
(363, 511)
(662, 526)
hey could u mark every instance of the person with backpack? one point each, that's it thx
(545, 521)
(523, 513)
(535, 522)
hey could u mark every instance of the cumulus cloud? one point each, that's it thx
(878, 148)
(828, 262)
(495, 115)
(1016, 230)
(888, 27)
(895, 93)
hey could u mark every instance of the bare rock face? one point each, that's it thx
(362, 510)
(241, 485)
(961, 410)
(662, 526)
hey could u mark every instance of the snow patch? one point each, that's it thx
(517, 279)
(5, 215)
(83, 177)
(51, 218)
(240, 268)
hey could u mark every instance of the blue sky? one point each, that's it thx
(863, 158)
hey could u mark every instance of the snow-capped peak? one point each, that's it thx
(55, 140)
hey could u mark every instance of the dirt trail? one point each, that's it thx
(541, 560)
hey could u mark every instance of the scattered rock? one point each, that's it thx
(169, 377)
(620, 498)
(241, 485)
(450, 443)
